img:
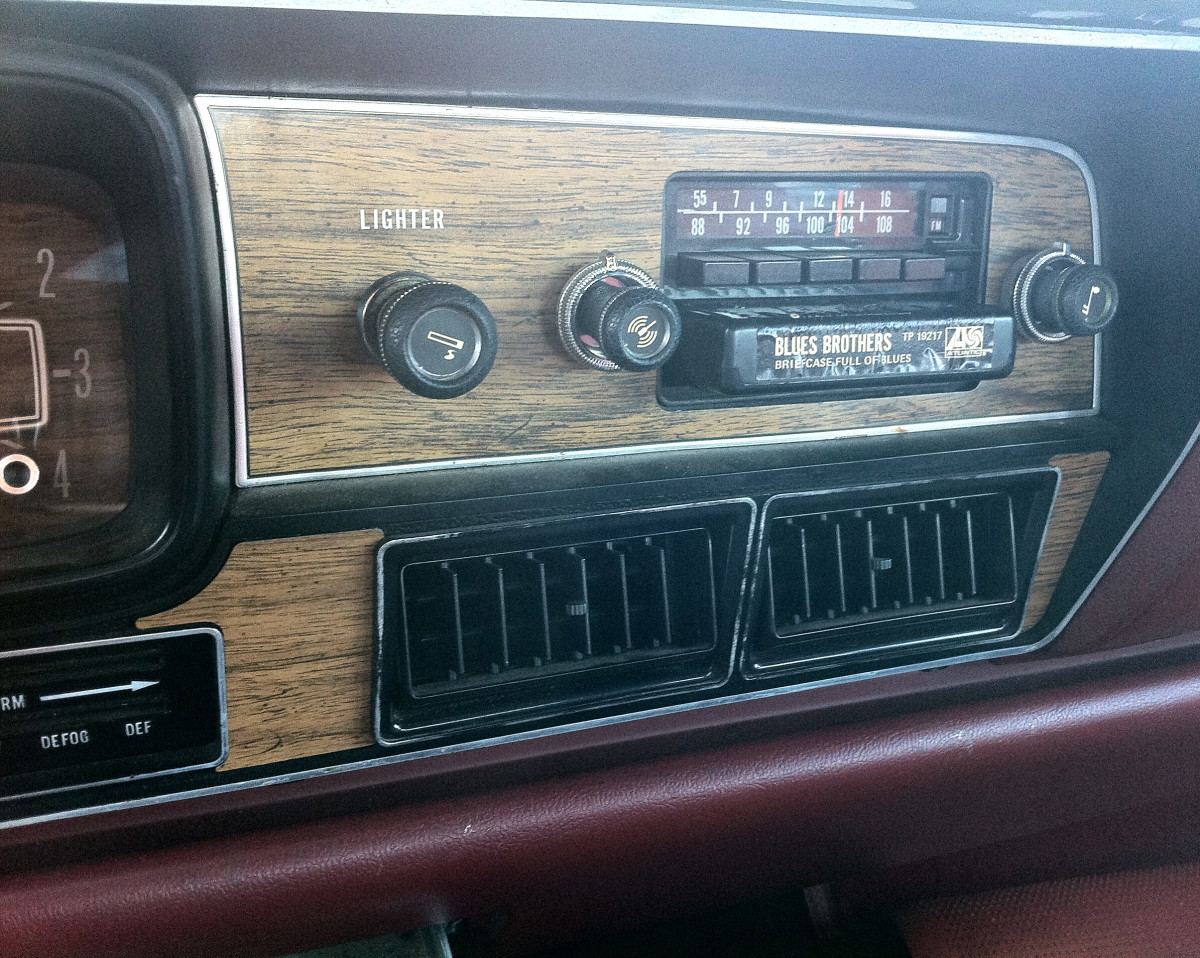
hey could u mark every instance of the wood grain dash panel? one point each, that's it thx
(298, 620)
(299, 626)
(526, 201)
(1081, 475)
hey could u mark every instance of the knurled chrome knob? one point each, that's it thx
(612, 315)
(1057, 295)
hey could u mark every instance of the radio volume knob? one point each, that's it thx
(436, 339)
(1057, 295)
(612, 315)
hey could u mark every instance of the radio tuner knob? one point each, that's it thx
(1057, 295)
(434, 338)
(612, 315)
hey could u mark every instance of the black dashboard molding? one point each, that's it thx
(131, 130)
(1122, 24)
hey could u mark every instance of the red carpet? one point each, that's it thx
(1147, 914)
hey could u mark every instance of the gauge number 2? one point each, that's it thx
(45, 256)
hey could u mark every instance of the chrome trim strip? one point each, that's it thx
(692, 444)
(858, 22)
(223, 716)
(233, 309)
(205, 104)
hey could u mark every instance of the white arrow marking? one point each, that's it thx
(5, 305)
(135, 686)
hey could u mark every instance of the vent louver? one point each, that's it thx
(834, 569)
(842, 585)
(521, 615)
(479, 635)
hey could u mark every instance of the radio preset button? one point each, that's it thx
(878, 270)
(775, 269)
(925, 269)
(714, 271)
(839, 270)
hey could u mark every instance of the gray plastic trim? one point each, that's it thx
(904, 20)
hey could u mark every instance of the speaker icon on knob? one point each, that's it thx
(612, 315)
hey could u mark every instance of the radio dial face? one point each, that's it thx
(783, 212)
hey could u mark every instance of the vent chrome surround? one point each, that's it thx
(520, 683)
(205, 104)
(904, 603)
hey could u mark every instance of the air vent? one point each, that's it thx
(837, 569)
(523, 615)
(477, 632)
(882, 579)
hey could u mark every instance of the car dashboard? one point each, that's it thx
(542, 468)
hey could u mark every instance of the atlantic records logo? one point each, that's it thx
(965, 342)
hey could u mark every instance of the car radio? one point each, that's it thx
(795, 288)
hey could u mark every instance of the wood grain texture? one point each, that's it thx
(298, 619)
(299, 625)
(526, 202)
(1081, 475)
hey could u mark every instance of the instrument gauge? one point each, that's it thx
(113, 380)
(66, 387)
